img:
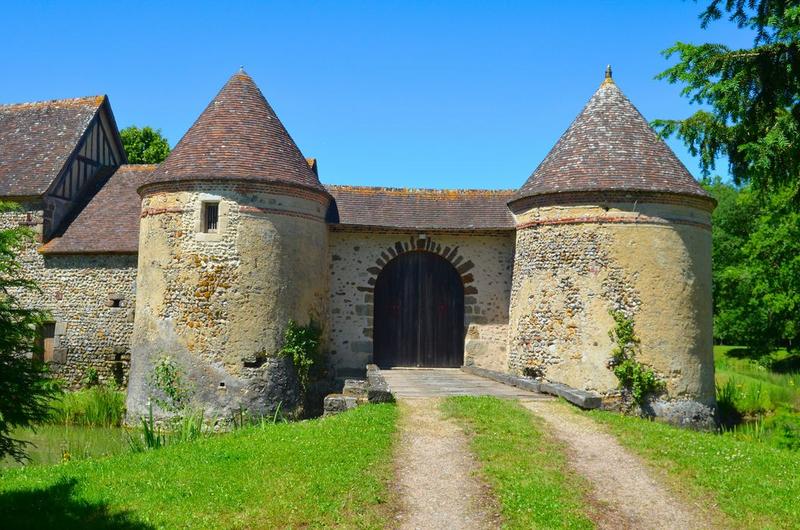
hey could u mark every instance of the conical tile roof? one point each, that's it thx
(610, 146)
(237, 137)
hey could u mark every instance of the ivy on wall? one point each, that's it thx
(302, 344)
(634, 377)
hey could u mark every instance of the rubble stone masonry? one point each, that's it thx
(218, 303)
(576, 263)
(90, 299)
(484, 261)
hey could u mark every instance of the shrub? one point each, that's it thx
(784, 429)
(169, 380)
(633, 376)
(91, 377)
(727, 410)
(302, 345)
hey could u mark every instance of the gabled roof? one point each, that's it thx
(36, 139)
(610, 146)
(109, 224)
(420, 209)
(238, 137)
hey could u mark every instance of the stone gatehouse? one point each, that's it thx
(207, 256)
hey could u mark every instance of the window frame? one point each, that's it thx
(206, 218)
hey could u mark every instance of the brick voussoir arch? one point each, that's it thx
(413, 244)
(451, 254)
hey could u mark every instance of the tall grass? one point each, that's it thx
(755, 403)
(98, 406)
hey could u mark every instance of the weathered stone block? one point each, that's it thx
(577, 397)
(355, 388)
(336, 403)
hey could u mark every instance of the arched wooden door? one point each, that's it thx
(419, 312)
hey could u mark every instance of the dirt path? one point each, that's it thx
(435, 471)
(626, 494)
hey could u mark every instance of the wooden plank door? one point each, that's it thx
(419, 313)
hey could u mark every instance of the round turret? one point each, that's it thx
(612, 222)
(232, 246)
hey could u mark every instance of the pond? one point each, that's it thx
(54, 443)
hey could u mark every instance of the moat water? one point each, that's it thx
(53, 444)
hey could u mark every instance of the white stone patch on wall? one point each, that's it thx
(484, 261)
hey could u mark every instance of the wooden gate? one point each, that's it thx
(419, 312)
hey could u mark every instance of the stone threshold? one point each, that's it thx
(581, 398)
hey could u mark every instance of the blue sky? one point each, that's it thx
(417, 94)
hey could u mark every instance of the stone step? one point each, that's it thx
(355, 388)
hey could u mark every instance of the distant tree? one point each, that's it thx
(25, 388)
(752, 95)
(144, 145)
(756, 261)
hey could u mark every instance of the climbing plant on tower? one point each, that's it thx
(634, 377)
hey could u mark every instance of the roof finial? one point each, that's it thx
(241, 69)
(608, 78)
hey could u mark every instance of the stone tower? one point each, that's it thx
(233, 244)
(611, 220)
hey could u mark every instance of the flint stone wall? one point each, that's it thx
(90, 299)
(484, 261)
(219, 303)
(576, 263)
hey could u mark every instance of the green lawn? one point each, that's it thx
(755, 484)
(318, 473)
(526, 468)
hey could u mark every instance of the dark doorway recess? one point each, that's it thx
(419, 312)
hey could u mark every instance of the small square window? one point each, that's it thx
(114, 301)
(210, 213)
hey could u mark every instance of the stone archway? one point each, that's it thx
(419, 312)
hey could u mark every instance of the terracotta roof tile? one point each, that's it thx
(420, 208)
(37, 138)
(238, 136)
(610, 146)
(110, 222)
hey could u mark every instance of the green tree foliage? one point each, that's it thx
(25, 388)
(144, 145)
(752, 96)
(756, 262)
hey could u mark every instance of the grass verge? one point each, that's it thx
(317, 473)
(526, 469)
(756, 485)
